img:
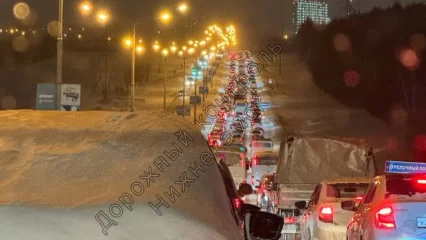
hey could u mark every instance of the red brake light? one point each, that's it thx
(255, 159)
(326, 215)
(237, 202)
(290, 220)
(384, 218)
(421, 181)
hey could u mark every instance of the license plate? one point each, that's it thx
(421, 222)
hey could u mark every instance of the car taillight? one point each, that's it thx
(384, 218)
(255, 159)
(326, 214)
(290, 220)
(358, 199)
(421, 181)
(237, 202)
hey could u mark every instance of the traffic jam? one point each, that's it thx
(353, 204)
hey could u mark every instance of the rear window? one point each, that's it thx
(269, 179)
(267, 160)
(262, 144)
(404, 186)
(346, 190)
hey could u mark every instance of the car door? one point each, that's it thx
(364, 210)
(308, 218)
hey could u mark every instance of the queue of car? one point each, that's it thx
(389, 207)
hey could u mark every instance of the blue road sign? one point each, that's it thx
(405, 167)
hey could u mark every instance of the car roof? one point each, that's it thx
(347, 180)
(265, 153)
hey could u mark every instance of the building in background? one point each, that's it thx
(316, 10)
(349, 8)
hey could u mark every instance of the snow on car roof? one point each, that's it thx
(347, 180)
(81, 160)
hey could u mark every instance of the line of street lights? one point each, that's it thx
(103, 17)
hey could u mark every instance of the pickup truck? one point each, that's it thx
(305, 161)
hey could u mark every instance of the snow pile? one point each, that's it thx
(63, 168)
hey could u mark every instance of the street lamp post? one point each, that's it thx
(165, 53)
(133, 69)
(195, 94)
(184, 74)
(59, 54)
(165, 82)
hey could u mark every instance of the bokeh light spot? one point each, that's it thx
(409, 59)
(20, 44)
(352, 78)
(8, 102)
(21, 10)
(342, 43)
(52, 28)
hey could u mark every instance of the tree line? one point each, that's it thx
(372, 60)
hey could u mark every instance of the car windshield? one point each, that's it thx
(346, 190)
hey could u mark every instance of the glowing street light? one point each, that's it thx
(165, 17)
(191, 50)
(173, 49)
(165, 52)
(86, 8)
(190, 42)
(180, 53)
(213, 48)
(184, 48)
(156, 46)
(102, 16)
(204, 53)
(127, 42)
(183, 7)
(140, 49)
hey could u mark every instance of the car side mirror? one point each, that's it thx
(245, 189)
(246, 207)
(262, 225)
(300, 205)
(348, 205)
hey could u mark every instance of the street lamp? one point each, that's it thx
(173, 49)
(102, 16)
(165, 53)
(165, 16)
(183, 7)
(156, 47)
(59, 53)
(86, 8)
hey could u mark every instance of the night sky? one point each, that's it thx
(260, 17)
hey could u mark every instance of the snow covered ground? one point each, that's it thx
(58, 170)
(301, 108)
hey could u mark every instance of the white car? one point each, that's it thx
(394, 206)
(323, 217)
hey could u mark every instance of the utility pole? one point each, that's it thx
(165, 83)
(59, 54)
(195, 105)
(183, 97)
(133, 68)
